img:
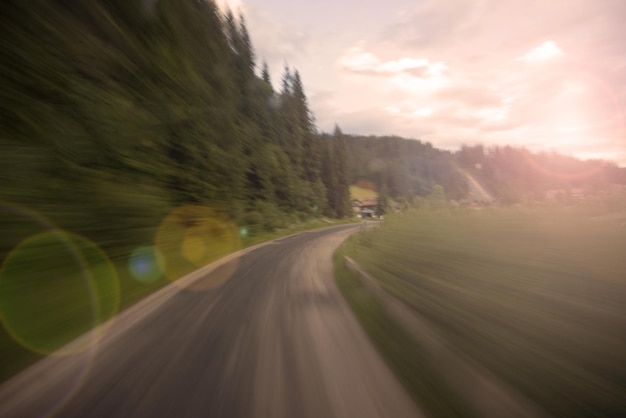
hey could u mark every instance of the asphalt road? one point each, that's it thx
(275, 340)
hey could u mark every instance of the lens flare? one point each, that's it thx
(146, 264)
(591, 170)
(54, 287)
(19, 223)
(193, 249)
(193, 236)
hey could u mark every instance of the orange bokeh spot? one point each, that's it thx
(193, 236)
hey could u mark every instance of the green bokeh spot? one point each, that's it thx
(54, 287)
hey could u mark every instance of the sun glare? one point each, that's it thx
(584, 117)
(423, 112)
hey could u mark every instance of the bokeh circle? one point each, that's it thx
(193, 236)
(54, 287)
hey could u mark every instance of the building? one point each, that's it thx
(365, 207)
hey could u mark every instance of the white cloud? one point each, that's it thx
(423, 112)
(359, 61)
(545, 51)
(403, 64)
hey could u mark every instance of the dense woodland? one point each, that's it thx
(114, 112)
(403, 168)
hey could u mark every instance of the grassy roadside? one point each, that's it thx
(70, 323)
(408, 360)
(538, 298)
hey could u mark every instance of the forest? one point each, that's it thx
(115, 112)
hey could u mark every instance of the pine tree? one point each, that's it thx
(290, 138)
(247, 50)
(305, 119)
(328, 174)
(310, 158)
(382, 204)
(341, 174)
(286, 89)
(265, 73)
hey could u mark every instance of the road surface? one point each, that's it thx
(275, 340)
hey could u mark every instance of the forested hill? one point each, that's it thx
(403, 168)
(115, 112)
(517, 175)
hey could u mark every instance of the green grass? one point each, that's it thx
(357, 192)
(45, 314)
(536, 297)
(410, 363)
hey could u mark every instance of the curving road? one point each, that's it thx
(275, 340)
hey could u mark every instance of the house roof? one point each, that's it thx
(369, 201)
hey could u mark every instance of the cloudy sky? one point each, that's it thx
(545, 74)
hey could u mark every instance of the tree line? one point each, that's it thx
(114, 112)
(403, 169)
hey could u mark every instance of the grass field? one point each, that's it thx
(47, 301)
(538, 298)
(357, 192)
(409, 362)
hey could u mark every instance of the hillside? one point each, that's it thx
(403, 168)
(114, 115)
(517, 175)
(357, 192)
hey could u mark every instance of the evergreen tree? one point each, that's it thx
(382, 204)
(303, 114)
(286, 89)
(341, 198)
(247, 50)
(265, 74)
(328, 174)
(310, 158)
